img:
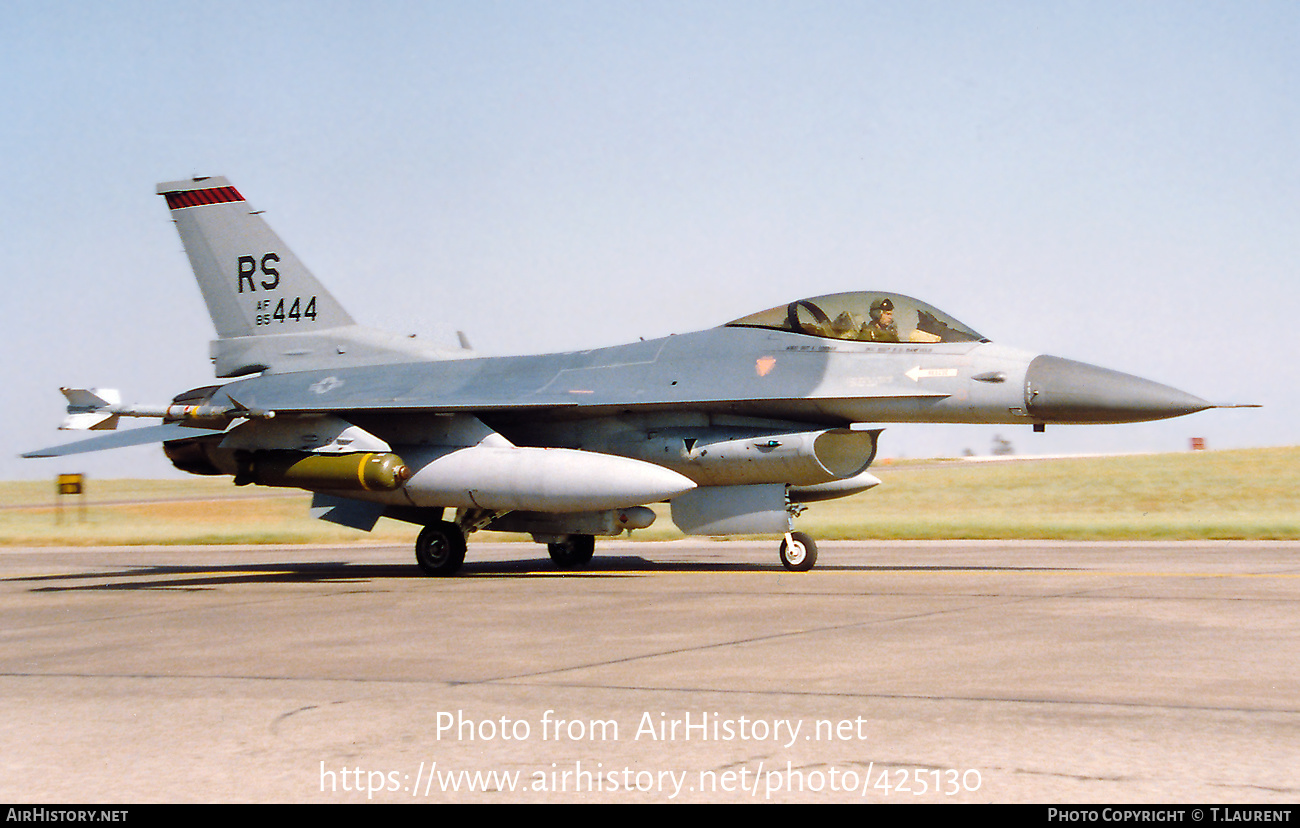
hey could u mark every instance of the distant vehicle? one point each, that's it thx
(737, 427)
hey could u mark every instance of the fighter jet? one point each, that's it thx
(738, 427)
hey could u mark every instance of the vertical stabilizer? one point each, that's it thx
(253, 284)
(270, 312)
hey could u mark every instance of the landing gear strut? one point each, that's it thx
(574, 552)
(440, 548)
(798, 552)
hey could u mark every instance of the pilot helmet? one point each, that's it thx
(880, 306)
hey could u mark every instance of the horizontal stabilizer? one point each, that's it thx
(88, 399)
(90, 421)
(345, 511)
(85, 409)
(122, 439)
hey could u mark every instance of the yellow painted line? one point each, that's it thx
(1203, 574)
(219, 573)
(830, 571)
(589, 573)
(205, 573)
(1104, 573)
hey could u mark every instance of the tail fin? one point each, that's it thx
(252, 283)
(270, 312)
(86, 408)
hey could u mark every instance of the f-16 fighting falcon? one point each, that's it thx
(738, 427)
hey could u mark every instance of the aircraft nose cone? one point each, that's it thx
(1064, 391)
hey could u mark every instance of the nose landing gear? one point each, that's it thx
(798, 552)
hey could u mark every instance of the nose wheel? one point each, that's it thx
(798, 552)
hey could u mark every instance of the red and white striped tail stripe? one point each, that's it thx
(198, 198)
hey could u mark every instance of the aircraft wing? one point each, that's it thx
(122, 439)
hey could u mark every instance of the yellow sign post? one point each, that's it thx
(69, 484)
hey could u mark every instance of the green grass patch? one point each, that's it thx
(148, 512)
(1251, 494)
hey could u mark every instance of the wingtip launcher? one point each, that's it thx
(100, 408)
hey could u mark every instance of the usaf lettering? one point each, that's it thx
(248, 266)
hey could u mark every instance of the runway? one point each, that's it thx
(696, 671)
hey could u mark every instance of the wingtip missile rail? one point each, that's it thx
(99, 409)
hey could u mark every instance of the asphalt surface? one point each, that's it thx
(685, 671)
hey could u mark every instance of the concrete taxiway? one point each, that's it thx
(683, 671)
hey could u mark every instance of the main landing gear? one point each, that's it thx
(440, 548)
(573, 552)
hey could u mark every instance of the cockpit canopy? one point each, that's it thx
(864, 316)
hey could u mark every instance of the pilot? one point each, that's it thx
(882, 327)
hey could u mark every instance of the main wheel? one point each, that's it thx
(440, 548)
(574, 552)
(798, 552)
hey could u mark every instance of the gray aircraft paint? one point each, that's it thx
(735, 425)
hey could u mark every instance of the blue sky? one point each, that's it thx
(1112, 182)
